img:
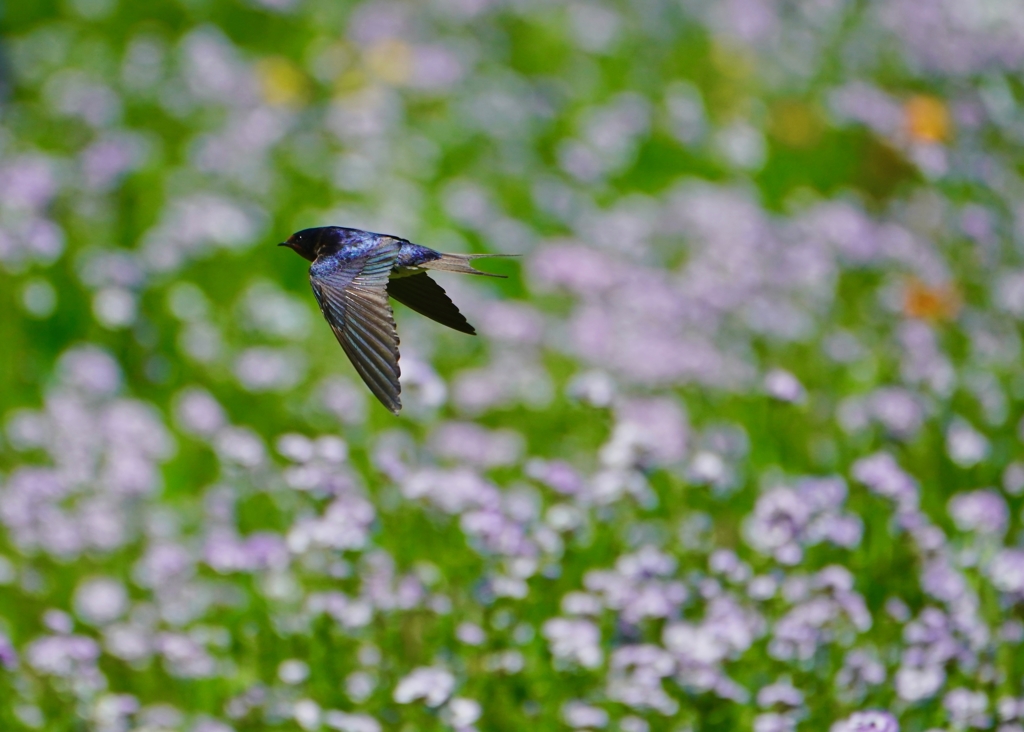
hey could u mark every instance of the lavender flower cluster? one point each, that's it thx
(739, 446)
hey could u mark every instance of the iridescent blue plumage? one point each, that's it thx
(414, 255)
(353, 274)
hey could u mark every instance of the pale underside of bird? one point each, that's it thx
(353, 274)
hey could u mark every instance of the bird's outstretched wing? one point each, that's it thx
(352, 291)
(420, 293)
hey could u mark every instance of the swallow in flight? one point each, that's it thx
(353, 274)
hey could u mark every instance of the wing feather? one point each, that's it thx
(420, 293)
(352, 292)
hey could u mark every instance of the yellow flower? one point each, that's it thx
(281, 82)
(795, 124)
(390, 61)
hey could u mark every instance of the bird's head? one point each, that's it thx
(311, 243)
(305, 242)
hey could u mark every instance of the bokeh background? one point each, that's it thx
(738, 446)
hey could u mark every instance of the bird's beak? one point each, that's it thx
(283, 244)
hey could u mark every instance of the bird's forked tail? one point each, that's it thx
(462, 263)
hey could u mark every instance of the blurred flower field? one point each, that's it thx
(738, 446)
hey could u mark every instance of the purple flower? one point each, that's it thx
(841, 226)
(827, 605)
(78, 96)
(657, 429)
(882, 475)
(162, 563)
(431, 684)
(8, 656)
(917, 683)
(635, 589)
(62, 655)
(129, 642)
(100, 600)
(578, 714)
(1009, 709)
(774, 722)
(261, 369)
(114, 711)
(746, 21)
(241, 446)
(779, 519)
(572, 266)
(725, 562)
(898, 410)
(512, 322)
(940, 580)
(345, 524)
(106, 160)
(185, 657)
(922, 362)
(1009, 292)
(452, 491)
(306, 713)
(436, 68)
(470, 634)
(462, 713)
(946, 43)
(784, 386)
(351, 722)
(967, 708)
(787, 519)
(1006, 570)
(574, 640)
(860, 670)
(636, 677)
(781, 693)
(965, 445)
(496, 533)
(983, 511)
(872, 721)
(90, 369)
(470, 443)
(199, 413)
(342, 399)
(558, 475)
(727, 630)
(634, 724)
(28, 182)
(360, 685)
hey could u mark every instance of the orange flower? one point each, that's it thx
(941, 302)
(927, 119)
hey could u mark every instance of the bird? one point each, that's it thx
(354, 272)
